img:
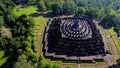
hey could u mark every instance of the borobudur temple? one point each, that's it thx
(73, 39)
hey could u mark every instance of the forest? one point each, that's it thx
(17, 38)
(105, 11)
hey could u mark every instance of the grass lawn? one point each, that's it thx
(112, 32)
(1, 54)
(100, 63)
(116, 40)
(27, 10)
(2, 60)
(92, 64)
(38, 21)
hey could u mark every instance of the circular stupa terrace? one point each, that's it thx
(75, 29)
(73, 39)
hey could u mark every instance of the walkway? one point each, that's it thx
(114, 56)
(39, 37)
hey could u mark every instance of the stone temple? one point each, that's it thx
(73, 39)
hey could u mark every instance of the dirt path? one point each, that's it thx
(39, 37)
(79, 66)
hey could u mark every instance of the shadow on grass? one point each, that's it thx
(34, 15)
(46, 15)
(49, 15)
(105, 26)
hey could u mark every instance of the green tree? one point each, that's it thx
(57, 9)
(3, 42)
(31, 55)
(56, 66)
(23, 63)
(69, 7)
(69, 67)
(1, 21)
(41, 7)
(91, 12)
(6, 33)
(48, 5)
(31, 2)
(81, 11)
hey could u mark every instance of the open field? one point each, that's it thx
(27, 10)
